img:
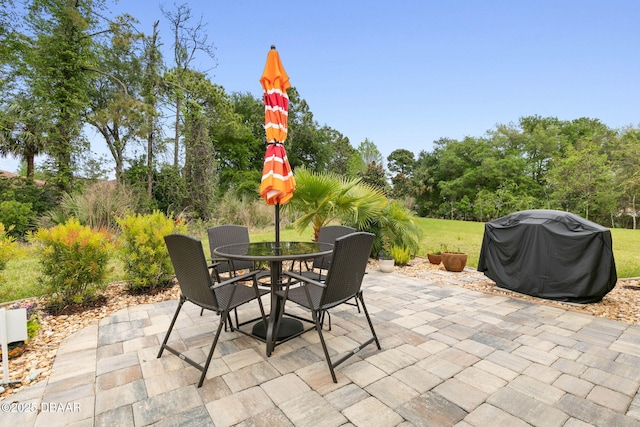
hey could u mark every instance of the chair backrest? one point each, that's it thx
(329, 234)
(344, 278)
(228, 235)
(190, 265)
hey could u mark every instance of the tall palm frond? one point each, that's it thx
(321, 198)
(22, 133)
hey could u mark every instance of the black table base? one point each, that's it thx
(274, 253)
(288, 328)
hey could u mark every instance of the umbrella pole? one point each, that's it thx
(277, 206)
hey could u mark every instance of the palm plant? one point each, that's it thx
(397, 224)
(22, 133)
(321, 198)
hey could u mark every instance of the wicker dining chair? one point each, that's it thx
(318, 270)
(199, 287)
(343, 282)
(229, 234)
(327, 234)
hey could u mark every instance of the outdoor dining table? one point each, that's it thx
(275, 253)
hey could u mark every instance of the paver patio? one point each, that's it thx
(450, 356)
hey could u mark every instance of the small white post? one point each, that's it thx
(13, 327)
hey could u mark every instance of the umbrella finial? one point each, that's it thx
(273, 47)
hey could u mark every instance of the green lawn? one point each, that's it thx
(467, 237)
(22, 276)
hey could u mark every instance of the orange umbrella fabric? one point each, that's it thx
(277, 184)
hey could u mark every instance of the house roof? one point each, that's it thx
(7, 174)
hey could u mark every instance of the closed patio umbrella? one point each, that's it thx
(277, 184)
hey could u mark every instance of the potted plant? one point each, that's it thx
(385, 260)
(435, 256)
(454, 260)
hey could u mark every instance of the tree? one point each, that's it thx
(373, 172)
(402, 162)
(57, 59)
(8, 23)
(542, 141)
(627, 164)
(199, 158)
(22, 132)
(459, 170)
(306, 145)
(150, 94)
(583, 181)
(114, 108)
(187, 42)
(240, 150)
(217, 144)
(369, 152)
(341, 152)
(537, 141)
(376, 176)
(424, 183)
(397, 224)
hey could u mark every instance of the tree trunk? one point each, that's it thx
(176, 139)
(152, 101)
(30, 166)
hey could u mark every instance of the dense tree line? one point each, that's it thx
(66, 68)
(581, 166)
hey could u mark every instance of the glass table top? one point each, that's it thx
(272, 251)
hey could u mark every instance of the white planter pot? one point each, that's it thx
(386, 265)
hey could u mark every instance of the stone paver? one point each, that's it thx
(450, 356)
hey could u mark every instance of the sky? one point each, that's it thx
(404, 74)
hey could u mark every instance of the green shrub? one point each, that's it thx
(143, 251)
(41, 197)
(400, 255)
(398, 225)
(74, 261)
(17, 216)
(8, 247)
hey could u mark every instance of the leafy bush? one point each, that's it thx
(8, 247)
(397, 224)
(400, 255)
(41, 196)
(143, 251)
(168, 192)
(17, 215)
(74, 260)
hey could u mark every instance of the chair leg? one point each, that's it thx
(316, 314)
(374, 338)
(366, 314)
(325, 313)
(173, 322)
(203, 369)
(213, 347)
